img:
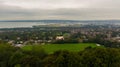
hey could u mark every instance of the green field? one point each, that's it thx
(50, 48)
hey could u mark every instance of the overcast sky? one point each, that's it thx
(59, 9)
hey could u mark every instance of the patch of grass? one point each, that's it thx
(50, 48)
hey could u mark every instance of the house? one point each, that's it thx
(18, 45)
(60, 38)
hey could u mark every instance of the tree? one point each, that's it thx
(62, 59)
(6, 52)
(100, 57)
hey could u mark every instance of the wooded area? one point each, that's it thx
(91, 57)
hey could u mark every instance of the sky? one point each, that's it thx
(59, 9)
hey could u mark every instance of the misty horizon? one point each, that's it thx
(31, 23)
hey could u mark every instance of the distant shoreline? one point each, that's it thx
(59, 20)
(31, 23)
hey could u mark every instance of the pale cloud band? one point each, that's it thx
(59, 9)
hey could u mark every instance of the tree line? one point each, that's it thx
(91, 57)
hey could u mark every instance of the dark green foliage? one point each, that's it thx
(31, 61)
(15, 59)
(6, 51)
(37, 57)
(62, 59)
(100, 57)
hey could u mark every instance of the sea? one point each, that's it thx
(31, 24)
(19, 24)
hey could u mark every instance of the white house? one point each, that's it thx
(59, 38)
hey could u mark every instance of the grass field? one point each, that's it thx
(50, 48)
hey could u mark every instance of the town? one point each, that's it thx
(107, 35)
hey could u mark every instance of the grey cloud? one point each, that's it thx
(59, 9)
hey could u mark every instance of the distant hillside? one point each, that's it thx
(59, 20)
(53, 21)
